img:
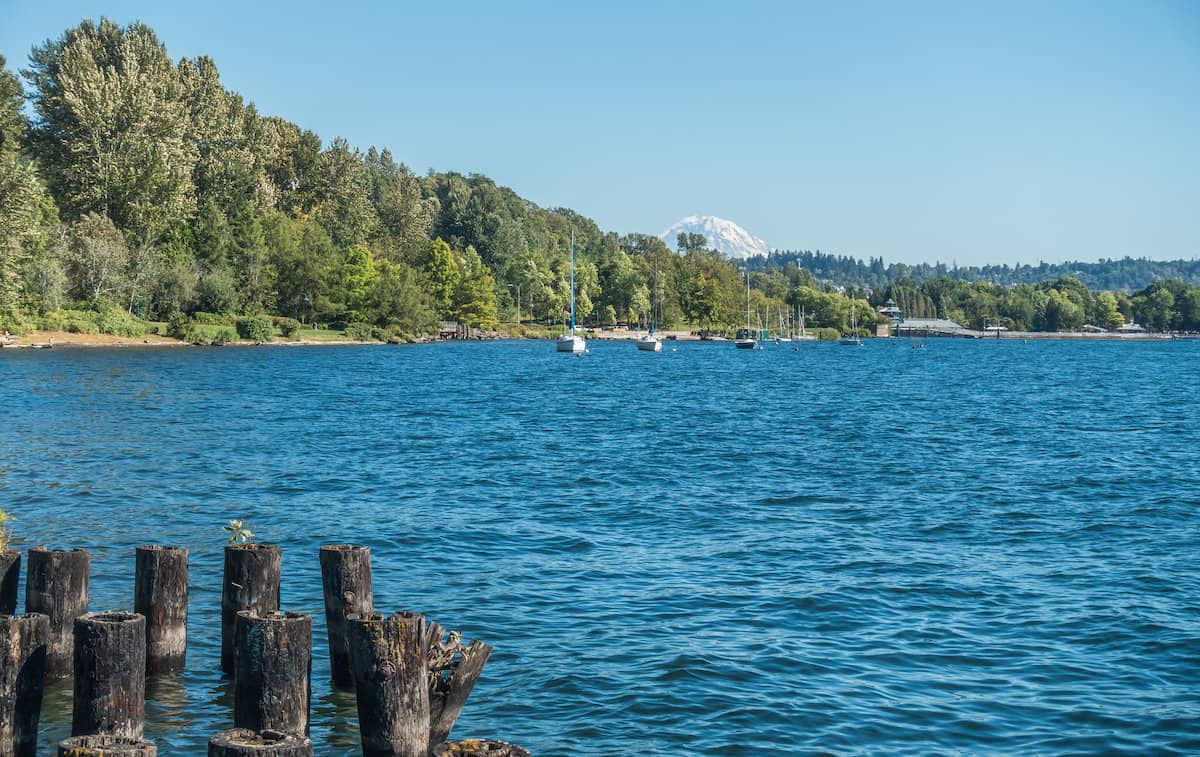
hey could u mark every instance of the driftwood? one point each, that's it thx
(242, 742)
(110, 675)
(272, 666)
(106, 746)
(160, 594)
(251, 583)
(391, 683)
(57, 585)
(346, 581)
(453, 671)
(23, 646)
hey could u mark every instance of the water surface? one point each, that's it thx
(968, 548)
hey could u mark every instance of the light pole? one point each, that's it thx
(518, 286)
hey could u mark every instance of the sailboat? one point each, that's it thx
(649, 342)
(852, 339)
(570, 342)
(785, 333)
(745, 337)
(804, 336)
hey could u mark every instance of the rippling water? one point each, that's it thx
(969, 548)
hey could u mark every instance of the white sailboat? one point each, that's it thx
(804, 336)
(570, 342)
(745, 337)
(852, 339)
(649, 342)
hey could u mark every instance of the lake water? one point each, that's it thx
(975, 547)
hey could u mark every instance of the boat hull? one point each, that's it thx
(850, 341)
(649, 345)
(745, 344)
(570, 343)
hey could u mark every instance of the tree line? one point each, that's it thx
(143, 189)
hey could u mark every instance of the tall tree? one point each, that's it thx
(112, 127)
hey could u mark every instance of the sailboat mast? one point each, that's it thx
(747, 298)
(572, 282)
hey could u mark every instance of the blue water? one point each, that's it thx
(969, 548)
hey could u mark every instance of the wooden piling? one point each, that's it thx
(272, 665)
(105, 745)
(479, 748)
(243, 742)
(24, 642)
(10, 577)
(389, 658)
(453, 670)
(160, 594)
(57, 584)
(251, 583)
(110, 675)
(346, 580)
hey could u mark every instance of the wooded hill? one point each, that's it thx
(143, 190)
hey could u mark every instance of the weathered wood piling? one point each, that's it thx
(10, 577)
(160, 594)
(110, 675)
(57, 584)
(346, 581)
(243, 742)
(453, 671)
(251, 583)
(24, 644)
(272, 666)
(389, 657)
(106, 745)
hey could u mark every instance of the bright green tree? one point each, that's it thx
(443, 273)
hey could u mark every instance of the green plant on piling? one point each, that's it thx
(239, 533)
(5, 530)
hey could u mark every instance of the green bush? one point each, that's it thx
(80, 326)
(213, 319)
(362, 332)
(827, 334)
(288, 327)
(225, 334)
(177, 323)
(257, 328)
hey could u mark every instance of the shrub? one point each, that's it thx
(225, 334)
(213, 319)
(288, 327)
(361, 332)
(177, 322)
(257, 328)
(80, 326)
(827, 334)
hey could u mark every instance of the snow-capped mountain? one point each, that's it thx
(725, 236)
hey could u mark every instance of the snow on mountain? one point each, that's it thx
(725, 236)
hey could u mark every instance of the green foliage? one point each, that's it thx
(363, 332)
(5, 518)
(239, 532)
(177, 323)
(289, 327)
(443, 273)
(257, 328)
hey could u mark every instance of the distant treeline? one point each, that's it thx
(144, 190)
(1124, 275)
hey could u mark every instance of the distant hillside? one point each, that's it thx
(1126, 274)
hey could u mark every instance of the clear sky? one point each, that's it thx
(916, 131)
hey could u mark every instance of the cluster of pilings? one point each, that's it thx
(410, 679)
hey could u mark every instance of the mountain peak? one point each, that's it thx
(722, 235)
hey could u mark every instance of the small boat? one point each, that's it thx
(744, 339)
(852, 339)
(649, 342)
(570, 341)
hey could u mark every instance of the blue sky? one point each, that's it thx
(919, 131)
